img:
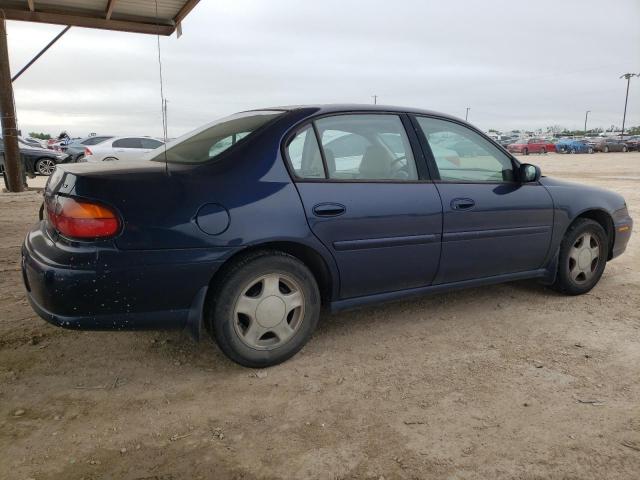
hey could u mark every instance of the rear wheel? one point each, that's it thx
(45, 166)
(624, 149)
(109, 159)
(543, 151)
(266, 309)
(583, 257)
(590, 149)
(605, 149)
(526, 151)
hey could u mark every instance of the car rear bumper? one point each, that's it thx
(102, 288)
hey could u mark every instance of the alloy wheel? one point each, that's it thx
(584, 257)
(269, 311)
(46, 166)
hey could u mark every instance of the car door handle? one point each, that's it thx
(329, 209)
(462, 203)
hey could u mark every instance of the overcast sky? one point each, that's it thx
(514, 65)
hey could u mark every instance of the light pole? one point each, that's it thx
(626, 98)
(585, 121)
(375, 99)
(466, 115)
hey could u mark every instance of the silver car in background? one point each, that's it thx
(121, 148)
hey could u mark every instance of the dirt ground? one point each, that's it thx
(509, 381)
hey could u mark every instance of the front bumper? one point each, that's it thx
(89, 287)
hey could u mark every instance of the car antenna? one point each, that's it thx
(163, 101)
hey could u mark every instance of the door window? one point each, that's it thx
(462, 155)
(150, 143)
(94, 140)
(366, 147)
(128, 143)
(304, 154)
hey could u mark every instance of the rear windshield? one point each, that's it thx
(209, 141)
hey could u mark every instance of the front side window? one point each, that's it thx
(366, 147)
(462, 155)
(210, 141)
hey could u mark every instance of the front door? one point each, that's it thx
(492, 223)
(368, 201)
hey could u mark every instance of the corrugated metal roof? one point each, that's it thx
(141, 16)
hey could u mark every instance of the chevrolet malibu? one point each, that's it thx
(247, 226)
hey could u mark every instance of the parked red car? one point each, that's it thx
(531, 145)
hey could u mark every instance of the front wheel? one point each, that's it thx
(583, 257)
(590, 149)
(605, 149)
(624, 149)
(525, 151)
(45, 166)
(265, 310)
(543, 151)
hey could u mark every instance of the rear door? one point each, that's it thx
(368, 198)
(492, 223)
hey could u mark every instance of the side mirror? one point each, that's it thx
(529, 173)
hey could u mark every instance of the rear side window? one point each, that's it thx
(304, 154)
(354, 147)
(150, 143)
(95, 140)
(211, 140)
(366, 147)
(128, 143)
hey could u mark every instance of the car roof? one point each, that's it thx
(356, 107)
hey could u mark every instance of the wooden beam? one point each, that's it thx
(109, 11)
(184, 11)
(12, 161)
(86, 21)
(31, 5)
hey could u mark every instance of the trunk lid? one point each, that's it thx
(143, 195)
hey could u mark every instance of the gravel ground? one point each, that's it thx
(508, 381)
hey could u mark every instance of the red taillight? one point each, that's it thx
(87, 151)
(81, 219)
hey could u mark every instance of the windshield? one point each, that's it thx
(208, 142)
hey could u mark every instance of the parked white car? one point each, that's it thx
(121, 148)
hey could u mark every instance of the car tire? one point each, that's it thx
(591, 150)
(525, 151)
(266, 308)
(580, 264)
(109, 159)
(572, 150)
(605, 149)
(624, 149)
(45, 166)
(543, 151)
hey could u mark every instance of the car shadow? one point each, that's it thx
(521, 292)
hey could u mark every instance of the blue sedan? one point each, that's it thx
(573, 146)
(247, 226)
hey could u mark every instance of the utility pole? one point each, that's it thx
(375, 99)
(466, 115)
(585, 121)
(626, 98)
(12, 163)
